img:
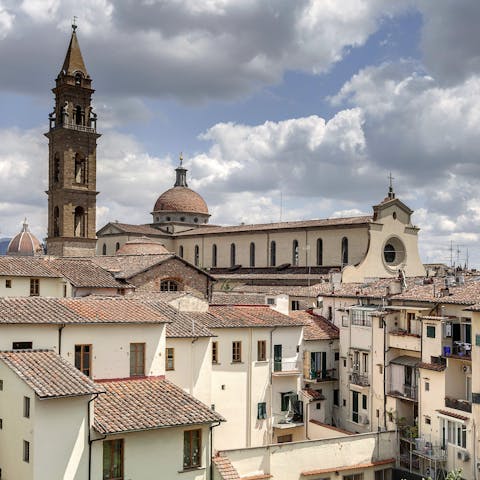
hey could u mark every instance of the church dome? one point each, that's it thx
(181, 199)
(24, 243)
(142, 246)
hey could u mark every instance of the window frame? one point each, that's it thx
(236, 351)
(112, 452)
(34, 287)
(429, 329)
(215, 352)
(8, 283)
(26, 451)
(261, 410)
(190, 455)
(134, 354)
(26, 407)
(169, 359)
(261, 351)
(82, 354)
(167, 283)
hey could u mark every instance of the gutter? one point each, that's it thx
(90, 439)
(212, 426)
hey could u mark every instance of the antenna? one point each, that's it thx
(451, 253)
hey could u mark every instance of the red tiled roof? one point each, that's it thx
(436, 367)
(223, 298)
(228, 316)
(325, 223)
(316, 326)
(127, 266)
(26, 267)
(48, 374)
(147, 403)
(347, 467)
(141, 229)
(453, 415)
(313, 395)
(225, 467)
(142, 246)
(181, 199)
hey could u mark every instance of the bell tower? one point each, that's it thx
(72, 142)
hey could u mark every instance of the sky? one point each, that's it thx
(283, 109)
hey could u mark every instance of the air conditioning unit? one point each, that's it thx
(467, 369)
(463, 455)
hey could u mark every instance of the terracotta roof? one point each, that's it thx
(293, 290)
(127, 266)
(82, 272)
(357, 466)
(48, 374)
(140, 229)
(142, 246)
(316, 326)
(234, 298)
(24, 243)
(225, 467)
(312, 395)
(325, 223)
(182, 200)
(277, 275)
(228, 316)
(43, 310)
(474, 308)
(147, 403)
(26, 267)
(453, 415)
(436, 367)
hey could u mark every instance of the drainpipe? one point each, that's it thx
(90, 439)
(249, 391)
(211, 448)
(60, 328)
(384, 374)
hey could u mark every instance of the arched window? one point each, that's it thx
(232, 255)
(273, 253)
(169, 286)
(79, 222)
(180, 251)
(214, 255)
(56, 222)
(252, 254)
(104, 249)
(196, 256)
(80, 169)
(117, 246)
(344, 250)
(78, 79)
(78, 115)
(319, 251)
(56, 168)
(295, 254)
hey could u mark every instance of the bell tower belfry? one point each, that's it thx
(72, 141)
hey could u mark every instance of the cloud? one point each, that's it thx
(185, 49)
(6, 21)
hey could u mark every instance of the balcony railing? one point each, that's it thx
(359, 379)
(279, 366)
(463, 405)
(405, 391)
(322, 375)
(72, 126)
(287, 420)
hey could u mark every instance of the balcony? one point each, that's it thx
(404, 340)
(463, 405)
(408, 392)
(460, 350)
(287, 420)
(72, 126)
(322, 375)
(359, 379)
(281, 368)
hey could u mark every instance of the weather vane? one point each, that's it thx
(74, 23)
(181, 158)
(391, 178)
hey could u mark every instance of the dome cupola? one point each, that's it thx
(24, 243)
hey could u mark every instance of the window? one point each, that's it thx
(169, 286)
(196, 256)
(80, 170)
(364, 402)
(284, 438)
(336, 397)
(113, 459)
(295, 253)
(26, 407)
(180, 251)
(34, 287)
(232, 255)
(8, 284)
(344, 250)
(79, 222)
(252, 254)
(192, 446)
(236, 352)
(56, 168)
(261, 350)
(22, 345)
(454, 433)
(26, 451)
(83, 359)
(389, 253)
(295, 305)
(360, 317)
(261, 411)
(56, 222)
(1, 385)
(430, 331)
(273, 253)
(117, 246)
(318, 405)
(287, 400)
(104, 249)
(170, 359)
(385, 474)
(356, 476)
(137, 359)
(336, 356)
(78, 112)
(428, 421)
(270, 301)
(214, 352)
(365, 362)
(1, 427)
(427, 386)
(214, 255)
(319, 251)
(355, 416)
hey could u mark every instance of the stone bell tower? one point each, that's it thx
(72, 140)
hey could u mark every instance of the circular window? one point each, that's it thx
(182, 219)
(168, 219)
(393, 252)
(195, 220)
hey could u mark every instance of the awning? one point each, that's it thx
(407, 360)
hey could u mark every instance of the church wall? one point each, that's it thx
(307, 246)
(192, 280)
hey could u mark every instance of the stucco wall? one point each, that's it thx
(49, 287)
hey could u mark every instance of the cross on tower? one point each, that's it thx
(391, 193)
(74, 23)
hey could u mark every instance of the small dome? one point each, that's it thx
(142, 246)
(181, 199)
(24, 243)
